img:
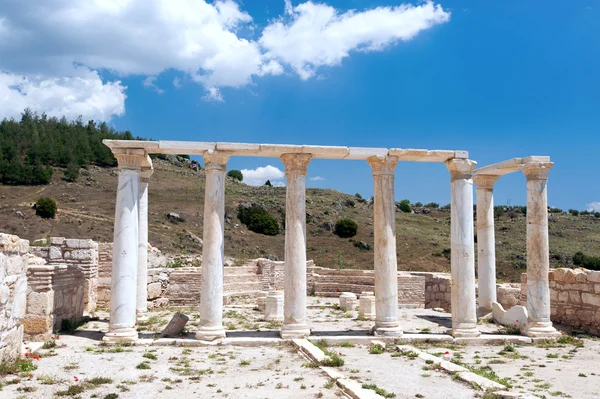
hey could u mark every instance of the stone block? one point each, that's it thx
(574, 297)
(594, 277)
(175, 326)
(563, 296)
(37, 325)
(517, 315)
(81, 255)
(40, 303)
(154, 290)
(57, 241)
(590, 299)
(367, 306)
(55, 253)
(274, 306)
(348, 301)
(11, 344)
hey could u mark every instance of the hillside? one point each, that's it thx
(86, 210)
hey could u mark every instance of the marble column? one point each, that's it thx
(538, 260)
(125, 248)
(142, 271)
(294, 312)
(385, 262)
(463, 302)
(211, 298)
(486, 243)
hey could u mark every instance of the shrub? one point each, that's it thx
(556, 210)
(589, 262)
(597, 214)
(258, 220)
(574, 212)
(345, 228)
(357, 195)
(46, 208)
(236, 174)
(268, 183)
(419, 204)
(349, 203)
(71, 173)
(446, 207)
(405, 206)
(498, 211)
(433, 205)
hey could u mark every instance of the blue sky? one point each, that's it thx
(499, 79)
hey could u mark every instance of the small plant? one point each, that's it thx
(329, 384)
(45, 208)
(73, 390)
(346, 344)
(345, 228)
(111, 396)
(143, 366)
(376, 349)
(149, 355)
(332, 360)
(379, 391)
(49, 344)
(99, 381)
(244, 362)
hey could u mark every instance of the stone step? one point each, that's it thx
(229, 270)
(241, 287)
(241, 278)
(337, 289)
(363, 280)
(342, 272)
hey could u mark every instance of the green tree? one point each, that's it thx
(405, 206)
(71, 173)
(45, 208)
(235, 174)
(268, 183)
(345, 228)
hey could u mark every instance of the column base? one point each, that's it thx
(210, 333)
(541, 330)
(381, 331)
(142, 316)
(121, 335)
(466, 333)
(293, 331)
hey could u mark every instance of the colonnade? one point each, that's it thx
(536, 171)
(128, 286)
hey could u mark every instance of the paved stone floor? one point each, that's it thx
(546, 370)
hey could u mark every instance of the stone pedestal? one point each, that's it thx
(486, 243)
(274, 303)
(142, 275)
(367, 308)
(125, 247)
(294, 323)
(538, 261)
(463, 302)
(386, 268)
(348, 301)
(260, 300)
(211, 302)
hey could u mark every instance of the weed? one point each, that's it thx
(150, 356)
(347, 345)
(379, 391)
(99, 381)
(143, 366)
(73, 390)
(376, 349)
(49, 344)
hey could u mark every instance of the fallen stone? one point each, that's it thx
(175, 326)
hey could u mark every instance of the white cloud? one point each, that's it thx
(213, 94)
(213, 44)
(317, 178)
(83, 94)
(315, 35)
(177, 82)
(594, 206)
(149, 83)
(258, 176)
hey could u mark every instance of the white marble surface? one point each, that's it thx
(386, 268)
(142, 271)
(274, 306)
(464, 316)
(294, 323)
(486, 243)
(538, 261)
(367, 308)
(211, 302)
(125, 259)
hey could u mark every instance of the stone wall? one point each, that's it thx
(508, 295)
(13, 294)
(437, 289)
(81, 255)
(104, 273)
(574, 298)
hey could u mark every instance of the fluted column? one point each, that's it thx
(294, 312)
(538, 260)
(125, 247)
(464, 316)
(211, 297)
(385, 262)
(142, 271)
(486, 243)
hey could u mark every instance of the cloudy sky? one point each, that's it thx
(500, 79)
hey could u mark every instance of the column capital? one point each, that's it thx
(383, 165)
(296, 163)
(537, 170)
(485, 181)
(215, 160)
(146, 174)
(460, 168)
(130, 158)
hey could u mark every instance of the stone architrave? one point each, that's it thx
(386, 267)
(294, 323)
(463, 302)
(211, 296)
(274, 303)
(142, 275)
(538, 256)
(125, 247)
(367, 308)
(486, 243)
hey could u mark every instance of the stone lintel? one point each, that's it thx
(420, 155)
(149, 146)
(184, 147)
(510, 165)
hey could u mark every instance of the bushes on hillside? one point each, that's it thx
(345, 228)
(589, 262)
(432, 205)
(236, 174)
(405, 206)
(258, 220)
(46, 208)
